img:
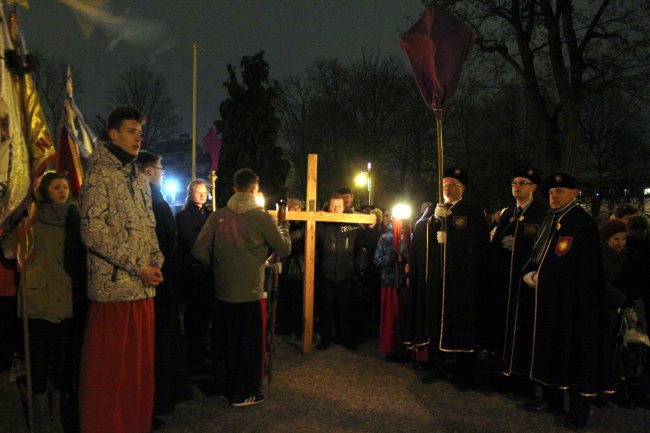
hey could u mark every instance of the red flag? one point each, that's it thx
(68, 162)
(437, 45)
(212, 145)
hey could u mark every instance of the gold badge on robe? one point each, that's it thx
(563, 245)
(460, 222)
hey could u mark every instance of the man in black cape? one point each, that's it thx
(510, 249)
(449, 247)
(564, 277)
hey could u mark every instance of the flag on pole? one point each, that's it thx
(75, 138)
(436, 46)
(212, 144)
(15, 180)
(26, 143)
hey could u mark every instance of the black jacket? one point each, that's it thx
(340, 251)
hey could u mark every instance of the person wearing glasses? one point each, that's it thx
(118, 228)
(449, 249)
(510, 248)
(171, 369)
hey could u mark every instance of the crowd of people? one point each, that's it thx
(124, 299)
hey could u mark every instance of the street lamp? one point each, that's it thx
(171, 187)
(364, 178)
(401, 211)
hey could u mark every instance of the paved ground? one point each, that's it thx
(342, 391)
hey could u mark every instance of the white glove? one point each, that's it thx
(442, 237)
(440, 211)
(507, 242)
(278, 267)
(531, 279)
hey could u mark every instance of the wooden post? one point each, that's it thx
(311, 216)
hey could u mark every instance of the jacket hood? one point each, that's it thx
(242, 202)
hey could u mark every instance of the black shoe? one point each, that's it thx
(247, 401)
(157, 424)
(323, 345)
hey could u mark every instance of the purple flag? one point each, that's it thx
(212, 145)
(437, 45)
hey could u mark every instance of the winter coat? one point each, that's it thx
(55, 274)
(118, 228)
(236, 241)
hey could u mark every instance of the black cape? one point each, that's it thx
(446, 281)
(506, 267)
(569, 326)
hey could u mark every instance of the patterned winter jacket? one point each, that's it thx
(118, 228)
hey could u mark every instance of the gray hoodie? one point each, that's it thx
(236, 239)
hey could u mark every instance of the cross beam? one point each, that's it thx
(311, 216)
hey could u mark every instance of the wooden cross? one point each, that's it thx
(311, 216)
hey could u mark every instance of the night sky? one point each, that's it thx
(293, 33)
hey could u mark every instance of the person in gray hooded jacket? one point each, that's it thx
(235, 242)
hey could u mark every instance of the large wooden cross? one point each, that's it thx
(311, 216)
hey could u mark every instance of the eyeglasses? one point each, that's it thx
(521, 182)
(451, 184)
(162, 170)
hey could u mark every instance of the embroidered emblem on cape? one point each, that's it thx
(563, 245)
(530, 230)
(460, 222)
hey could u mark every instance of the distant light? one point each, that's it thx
(361, 179)
(401, 211)
(646, 191)
(259, 199)
(171, 186)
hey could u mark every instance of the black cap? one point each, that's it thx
(457, 173)
(344, 190)
(529, 173)
(559, 180)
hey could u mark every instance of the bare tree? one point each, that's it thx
(561, 51)
(146, 91)
(50, 79)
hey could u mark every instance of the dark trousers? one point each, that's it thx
(51, 340)
(237, 340)
(197, 316)
(337, 306)
(8, 329)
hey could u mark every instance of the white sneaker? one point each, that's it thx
(248, 401)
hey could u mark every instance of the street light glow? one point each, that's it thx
(361, 179)
(401, 211)
(259, 199)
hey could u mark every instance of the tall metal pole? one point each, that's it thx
(438, 114)
(195, 48)
(370, 184)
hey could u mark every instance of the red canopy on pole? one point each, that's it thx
(436, 46)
